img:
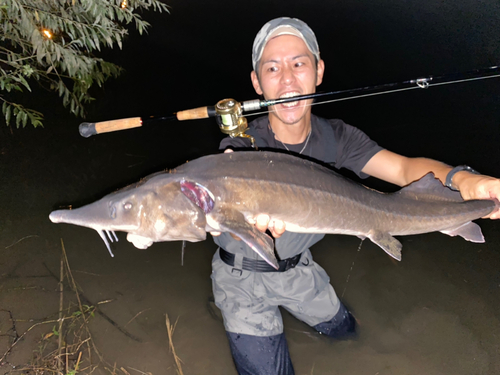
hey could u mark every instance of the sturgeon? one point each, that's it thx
(224, 192)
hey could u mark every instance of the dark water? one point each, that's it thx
(436, 312)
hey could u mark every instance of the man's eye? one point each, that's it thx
(273, 69)
(299, 64)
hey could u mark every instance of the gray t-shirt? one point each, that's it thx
(332, 142)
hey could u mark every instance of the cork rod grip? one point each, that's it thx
(193, 114)
(114, 125)
(91, 128)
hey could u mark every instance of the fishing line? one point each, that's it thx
(183, 248)
(420, 85)
(231, 114)
(352, 266)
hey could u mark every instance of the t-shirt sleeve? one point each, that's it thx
(354, 148)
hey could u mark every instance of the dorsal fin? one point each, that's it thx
(429, 188)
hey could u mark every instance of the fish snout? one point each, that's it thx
(57, 216)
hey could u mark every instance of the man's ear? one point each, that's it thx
(319, 72)
(255, 83)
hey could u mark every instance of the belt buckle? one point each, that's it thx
(238, 270)
(292, 262)
(286, 265)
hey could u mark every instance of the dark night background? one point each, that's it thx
(436, 312)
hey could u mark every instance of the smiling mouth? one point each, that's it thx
(290, 95)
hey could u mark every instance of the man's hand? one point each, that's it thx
(477, 186)
(262, 222)
(138, 241)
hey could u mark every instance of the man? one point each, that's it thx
(248, 291)
(287, 63)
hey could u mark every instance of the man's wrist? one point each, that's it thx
(454, 171)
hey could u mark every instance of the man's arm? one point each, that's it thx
(401, 170)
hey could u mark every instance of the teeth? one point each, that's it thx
(290, 95)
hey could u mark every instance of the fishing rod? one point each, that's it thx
(229, 112)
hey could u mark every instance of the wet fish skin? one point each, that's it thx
(225, 191)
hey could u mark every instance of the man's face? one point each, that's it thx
(287, 68)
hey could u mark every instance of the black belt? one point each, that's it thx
(259, 265)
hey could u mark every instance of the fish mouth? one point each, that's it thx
(109, 236)
(290, 94)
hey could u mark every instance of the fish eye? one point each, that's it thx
(127, 206)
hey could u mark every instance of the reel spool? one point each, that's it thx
(229, 115)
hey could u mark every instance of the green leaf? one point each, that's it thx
(18, 119)
(24, 118)
(7, 114)
(24, 83)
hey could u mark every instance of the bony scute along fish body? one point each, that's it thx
(224, 192)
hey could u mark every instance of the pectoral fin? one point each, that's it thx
(388, 243)
(232, 221)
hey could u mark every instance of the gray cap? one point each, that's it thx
(283, 26)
